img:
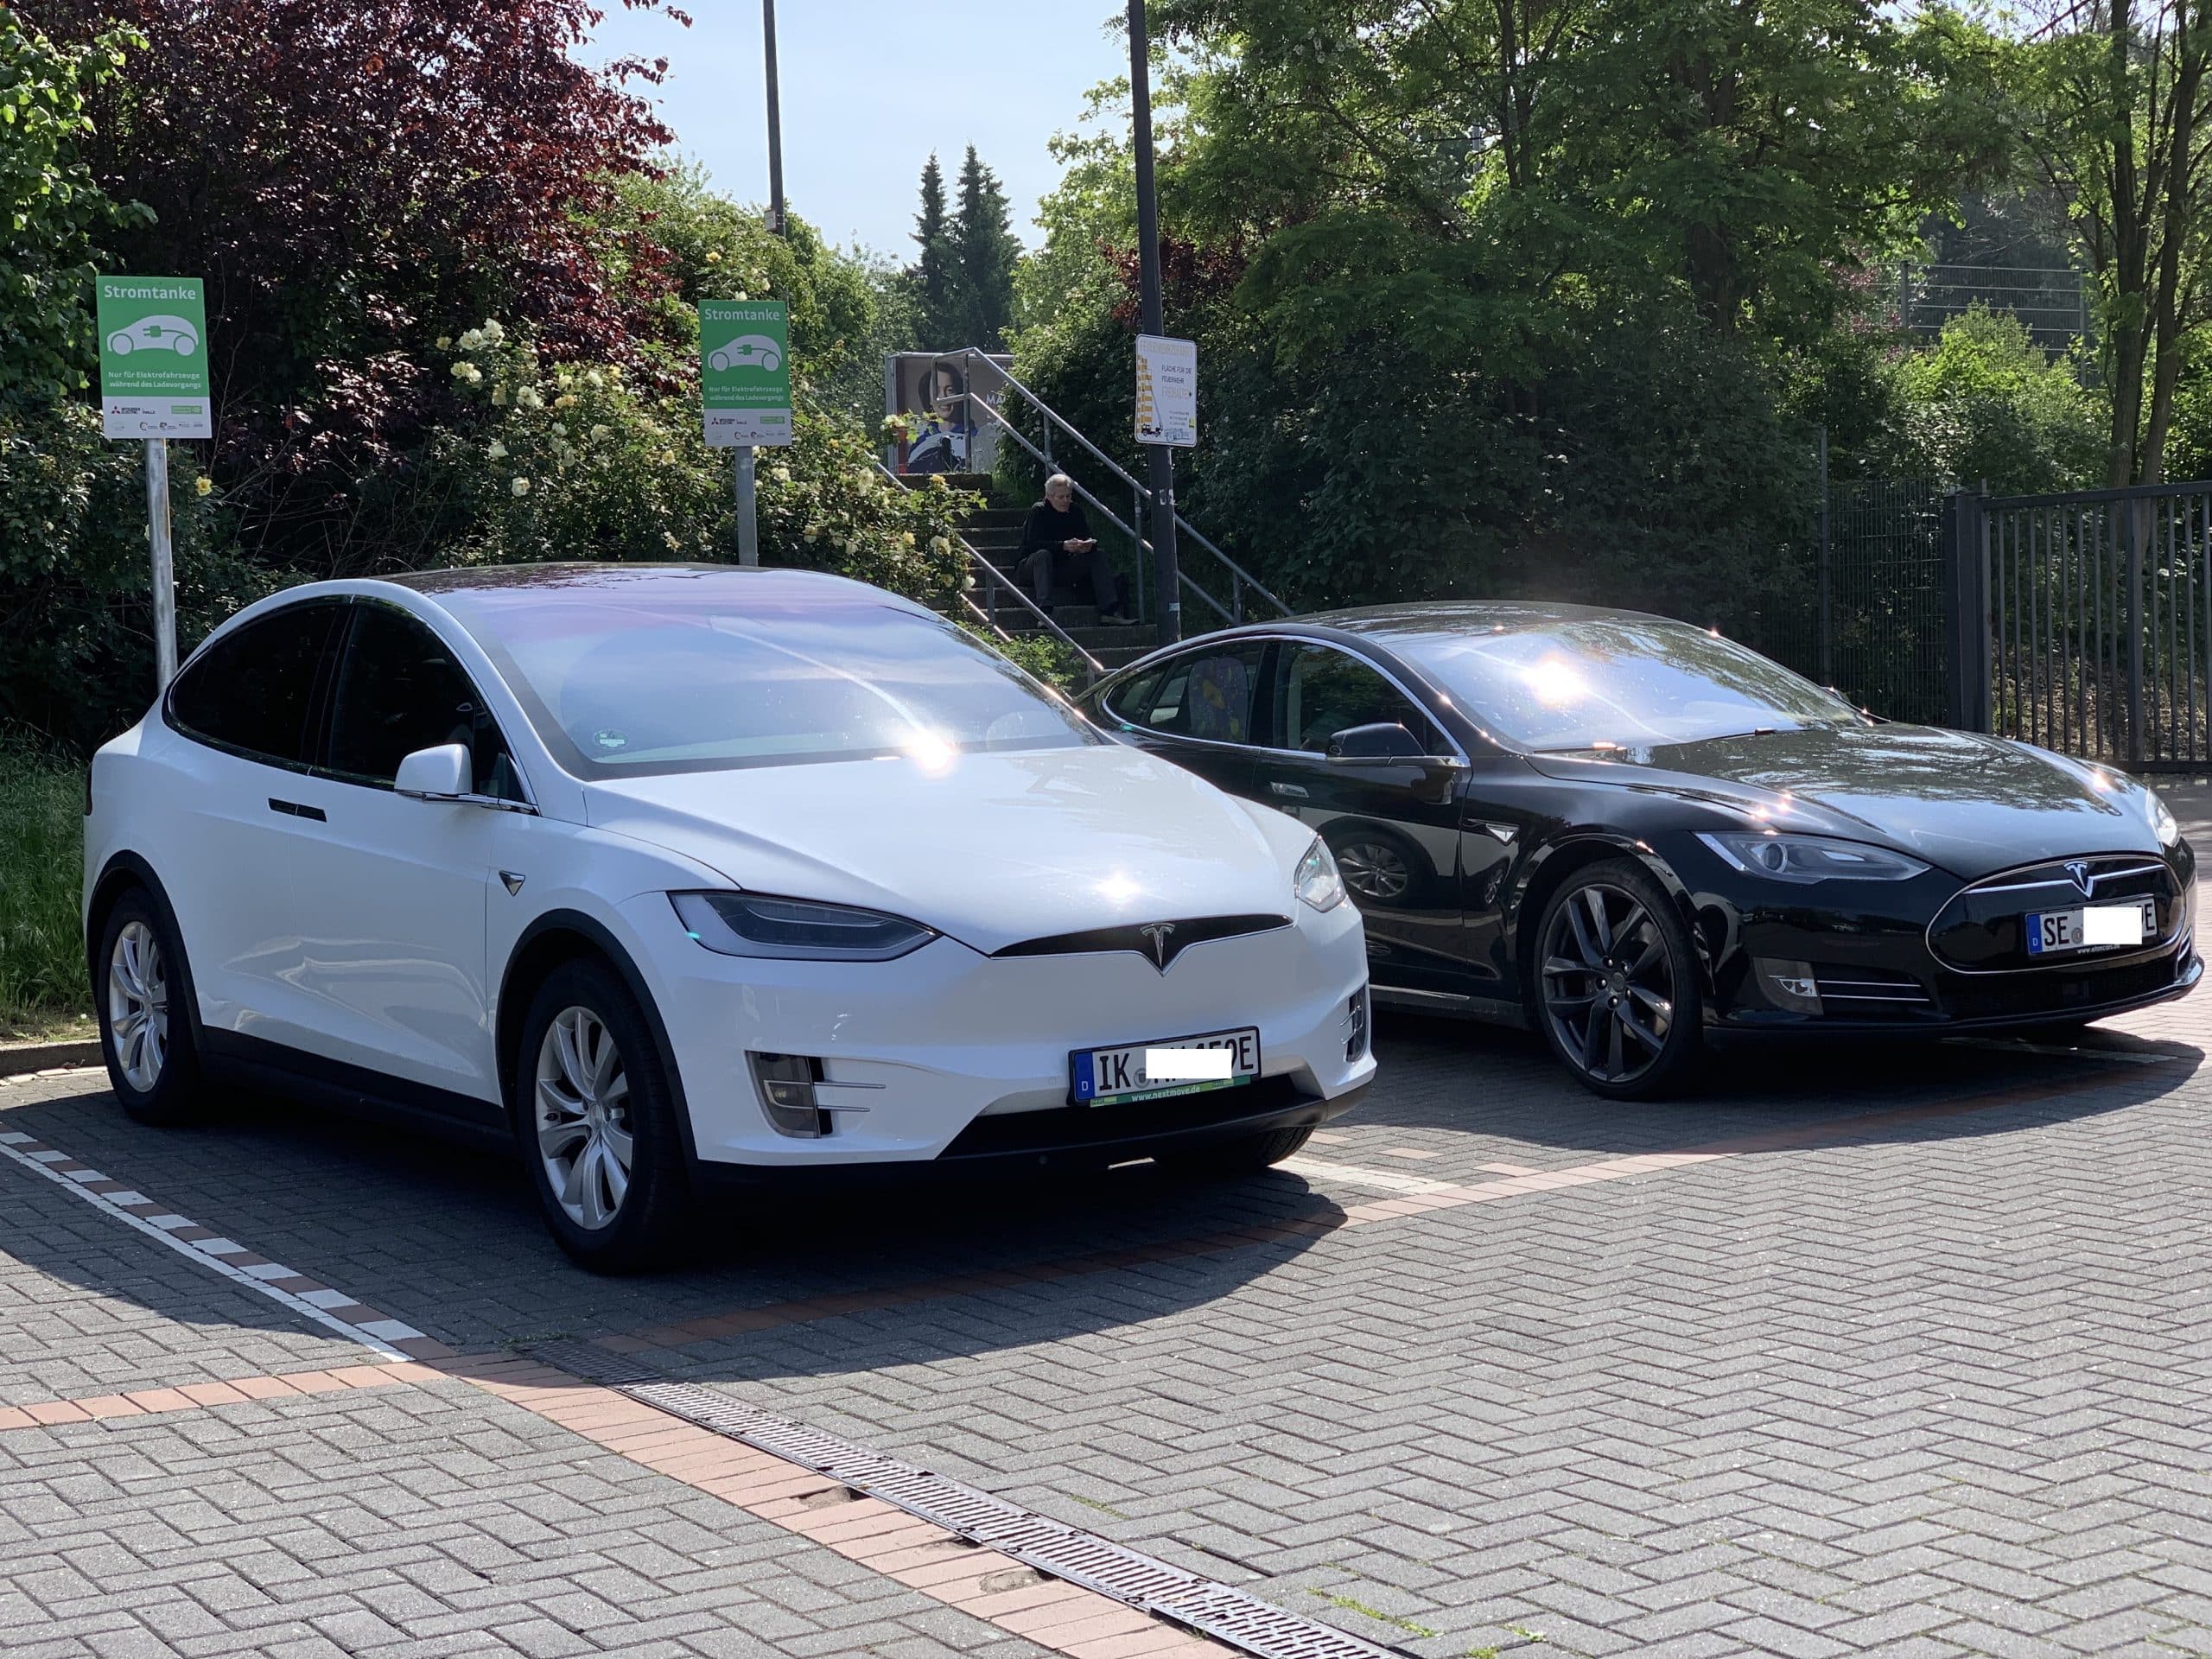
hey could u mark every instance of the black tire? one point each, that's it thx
(1628, 1026)
(649, 1219)
(1245, 1155)
(142, 992)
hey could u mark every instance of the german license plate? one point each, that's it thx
(2054, 932)
(1179, 1065)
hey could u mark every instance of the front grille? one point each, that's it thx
(1979, 932)
(2059, 994)
(1870, 993)
(1158, 942)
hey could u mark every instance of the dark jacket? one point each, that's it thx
(1046, 528)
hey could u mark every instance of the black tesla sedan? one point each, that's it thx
(1631, 832)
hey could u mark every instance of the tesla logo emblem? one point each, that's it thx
(1158, 933)
(2079, 869)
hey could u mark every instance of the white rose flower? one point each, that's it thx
(600, 432)
(520, 487)
(496, 450)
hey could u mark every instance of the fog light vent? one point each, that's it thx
(785, 1084)
(1787, 984)
(1356, 1023)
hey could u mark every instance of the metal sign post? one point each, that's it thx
(153, 386)
(1166, 567)
(157, 519)
(748, 515)
(745, 393)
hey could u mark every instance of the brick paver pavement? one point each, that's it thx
(1911, 1358)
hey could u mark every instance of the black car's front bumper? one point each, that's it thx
(1934, 956)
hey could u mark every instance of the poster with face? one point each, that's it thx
(937, 393)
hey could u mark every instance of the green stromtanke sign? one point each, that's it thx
(745, 372)
(153, 357)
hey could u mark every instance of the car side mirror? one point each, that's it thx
(1384, 740)
(441, 773)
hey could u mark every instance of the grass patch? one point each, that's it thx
(1353, 1605)
(42, 867)
(1093, 1504)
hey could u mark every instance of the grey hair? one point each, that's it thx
(1058, 481)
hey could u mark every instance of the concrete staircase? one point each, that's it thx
(995, 532)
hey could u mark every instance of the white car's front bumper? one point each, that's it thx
(916, 1051)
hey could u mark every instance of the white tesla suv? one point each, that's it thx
(687, 880)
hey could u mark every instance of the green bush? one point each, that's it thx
(1985, 404)
(41, 862)
(77, 655)
(570, 460)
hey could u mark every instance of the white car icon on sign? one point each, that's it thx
(747, 352)
(156, 334)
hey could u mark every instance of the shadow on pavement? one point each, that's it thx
(450, 1241)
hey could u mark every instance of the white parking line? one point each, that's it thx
(78, 1179)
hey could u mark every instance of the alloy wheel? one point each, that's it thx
(1608, 983)
(138, 1006)
(1373, 869)
(583, 1117)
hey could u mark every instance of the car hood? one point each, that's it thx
(1965, 802)
(990, 849)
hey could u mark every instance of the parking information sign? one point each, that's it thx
(1167, 391)
(153, 357)
(744, 373)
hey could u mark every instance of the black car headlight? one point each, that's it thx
(2162, 818)
(799, 929)
(1810, 858)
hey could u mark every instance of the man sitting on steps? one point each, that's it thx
(1056, 527)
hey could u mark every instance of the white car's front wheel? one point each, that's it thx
(597, 1119)
(145, 1026)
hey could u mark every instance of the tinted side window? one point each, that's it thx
(253, 690)
(1324, 692)
(398, 689)
(1210, 693)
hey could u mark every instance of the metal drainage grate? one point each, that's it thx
(1063, 1551)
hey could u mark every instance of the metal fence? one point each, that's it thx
(2081, 621)
(2100, 608)
(1873, 624)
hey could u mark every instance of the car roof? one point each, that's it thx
(1460, 616)
(765, 582)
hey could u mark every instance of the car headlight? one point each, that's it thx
(1316, 880)
(2162, 818)
(1811, 858)
(796, 930)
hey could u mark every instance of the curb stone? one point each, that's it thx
(17, 1058)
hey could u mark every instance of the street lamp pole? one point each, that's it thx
(775, 122)
(748, 510)
(1166, 569)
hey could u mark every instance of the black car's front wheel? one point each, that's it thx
(1617, 989)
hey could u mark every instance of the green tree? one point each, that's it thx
(988, 251)
(52, 210)
(2117, 112)
(935, 276)
(1508, 295)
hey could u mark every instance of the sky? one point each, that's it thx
(869, 88)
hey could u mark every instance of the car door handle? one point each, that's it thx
(1296, 792)
(294, 809)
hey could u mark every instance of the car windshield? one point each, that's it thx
(1603, 683)
(624, 679)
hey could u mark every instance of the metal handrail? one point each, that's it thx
(1143, 493)
(992, 577)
